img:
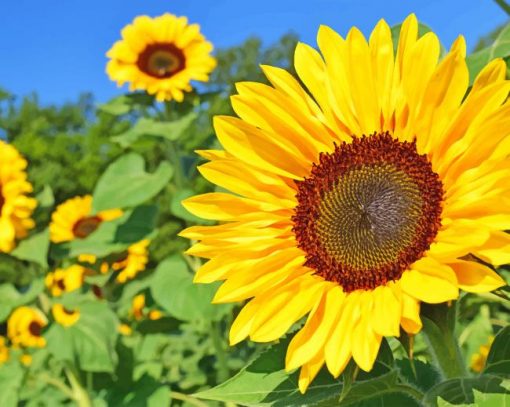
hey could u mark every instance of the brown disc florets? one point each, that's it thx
(161, 60)
(368, 211)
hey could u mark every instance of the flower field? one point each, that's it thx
(285, 225)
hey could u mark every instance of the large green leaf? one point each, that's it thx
(151, 127)
(498, 360)
(144, 392)
(125, 183)
(90, 343)
(500, 48)
(11, 297)
(458, 391)
(265, 382)
(117, 235)
(124, 104)
(481, 400)
(172, 287)
(34, 248)
(11, 376)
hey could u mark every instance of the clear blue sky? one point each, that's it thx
(57, 47)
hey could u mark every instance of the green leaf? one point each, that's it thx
(11, 376)
(264, 382)
(500, 48)
(422, 375)
(34, 249)
(144, 392)
(172, 287)
(151, 127)
(123, 104)
(117, 235)
(457, 391)
(11, 298)
(90, 343)
(45, 198)
(498, 360)
(125, 183)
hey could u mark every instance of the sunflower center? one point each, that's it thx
(35, 328)
(161, 60)
(368, 211)
(86, 226)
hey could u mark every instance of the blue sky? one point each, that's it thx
(57, 47)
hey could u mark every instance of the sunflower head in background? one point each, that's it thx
(64, 316)
(4, 350)
(73, 219)
(377, 186)
(65, 280)
(161, 55)
(24, 327)
(15, 206)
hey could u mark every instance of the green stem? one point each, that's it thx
(80, 395)
(188, 399)
(438, 326)
(503, 4)
(173, 155)
(57, 383)
(221, 353)
(410, 391)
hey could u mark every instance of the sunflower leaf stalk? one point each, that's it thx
(439, 326)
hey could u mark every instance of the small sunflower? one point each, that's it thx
(479, 359)
(24, 327)
(64, 316)
(161, 55)
(73, 219)
(137, 306)
(125, 330)
(65, 280)
(377, 186)
(4, 350)
(26, 359)
(15, 206)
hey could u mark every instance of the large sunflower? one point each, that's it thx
(161, 55)
(376, 188)
(15, 207)
(73, 219)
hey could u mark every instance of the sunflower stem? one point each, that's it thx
(438, 326)
(221, 354)
(80, 395)
(504, 6)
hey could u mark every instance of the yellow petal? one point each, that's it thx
(386, 312)
(309, 371)
(411, 321)
(475, 277)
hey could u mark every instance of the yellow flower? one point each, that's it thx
(15, 207)
(125, 329)
(137, 306)
(155, 315)
(26, 359)
(479, 359)
(73, 219)
(161, 55)
(64, 316)
(24, 327)
(65, 280)
(133, 262)
(358, 197)
(4, 350)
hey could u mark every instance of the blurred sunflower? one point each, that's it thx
(65, 280)
(4, 350)
(64, 316)
(359, 198)
(24, 327)
(137, 306)
(15, 207)
(161, 55)
(73, 219)
(479, 359)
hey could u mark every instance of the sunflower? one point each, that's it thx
(379, 186)
(65, 280)
(137, 306)
(24, 327)
(161, 55)
(4, 350)
(73, 219)
(15, 207)
(479, 358)
(64, 316)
